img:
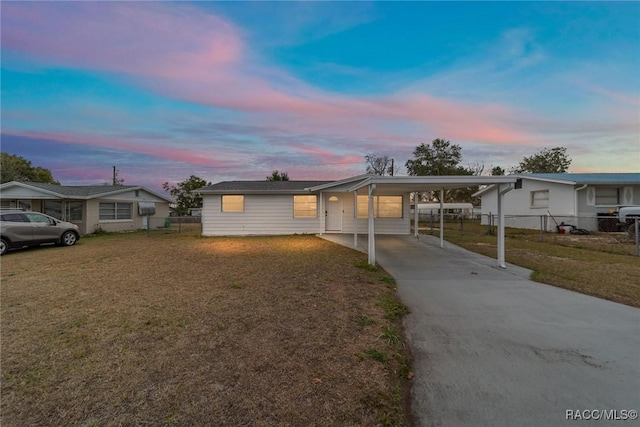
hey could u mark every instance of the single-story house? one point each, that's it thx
(585, 200)
(94, 207)
(361, 204)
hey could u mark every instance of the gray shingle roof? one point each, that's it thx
(80, 190)
(590, 178)
(260, 186)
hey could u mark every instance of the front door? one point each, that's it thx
(334, 214)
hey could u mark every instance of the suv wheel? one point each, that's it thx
(69, 238)
(4, 246)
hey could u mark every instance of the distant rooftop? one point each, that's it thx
(79, 190)
(589, 178)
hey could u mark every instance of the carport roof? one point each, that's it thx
(408, 184)
(399, 184)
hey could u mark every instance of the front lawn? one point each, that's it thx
(180, 330)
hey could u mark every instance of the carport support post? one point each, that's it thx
(322, 214)
(371, 231)
(415, 214)
(355, 219)
(501, 258)
(442, 218)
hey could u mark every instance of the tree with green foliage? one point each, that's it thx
(16, 168)
(185, 195)
(497, 171)
(442, 158)
(278, 176)
(438, 158)
(549, 160)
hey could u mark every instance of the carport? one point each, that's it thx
(372, 184)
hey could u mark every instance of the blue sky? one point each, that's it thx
(229, 90)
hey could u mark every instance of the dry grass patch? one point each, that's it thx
(180, 330)
(600, 265)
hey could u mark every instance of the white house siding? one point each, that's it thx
(518, 210)
(268, 214)
(272, 214)
(382, 225)
(565, 204)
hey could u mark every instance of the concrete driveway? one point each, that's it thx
(492, 348)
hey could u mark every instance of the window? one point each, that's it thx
(363, 206)
(14, 218)
(540, 199)
(383, 206)
(5, 204)
(232, 203)
(74, 211)
(115, 211)
(390, 207)
(53, 208)
(305, 206)
(607, 196)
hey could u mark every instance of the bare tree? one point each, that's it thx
(380, 164)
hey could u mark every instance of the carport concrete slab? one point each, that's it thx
(492, 348)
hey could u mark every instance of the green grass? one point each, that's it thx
(377, 355)
(392, 306)
(366, 266)
(391, 336)
(599, 264)
(365, 321)
(388, 280)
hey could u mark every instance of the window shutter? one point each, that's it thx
(627, 195)
(591, 196)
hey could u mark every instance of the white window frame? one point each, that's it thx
(542, 202)
(305, 206)
(232, 203)
(378, 201)
(117, 206)
(611, 202)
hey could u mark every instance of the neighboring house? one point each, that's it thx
(106, 207)
(573, 198)
(427, 211)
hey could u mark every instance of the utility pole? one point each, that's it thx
(114, 175)
(392, 167)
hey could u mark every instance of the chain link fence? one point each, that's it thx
(599, 230)
(173, 224)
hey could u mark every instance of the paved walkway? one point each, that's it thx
(492, 348)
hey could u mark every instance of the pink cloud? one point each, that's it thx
(188, 54)
(191, 155)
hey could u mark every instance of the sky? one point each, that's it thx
(235, 90)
